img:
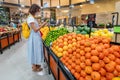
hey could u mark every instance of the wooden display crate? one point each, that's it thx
(15, 37)
(61, 75)
(54, 68)
(11, 40)
(4, 42)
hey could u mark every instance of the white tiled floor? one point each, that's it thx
(14, 64)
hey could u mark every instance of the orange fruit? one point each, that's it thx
(60, 50)
(83, 73)
(94, 59)
(109, 76)
(65, 43)
(69, 67)
(96, 66)
(74, 43)
(73, 40)
(78, 55)
(70, 37)
(87, 49)
(82, 47)
(94, 52)
(93, 46)
(88, 62)
(99, 49)
(70, 42)
(78, 50)
(103, 78)
(101, 55)
(106, 60)
(77, 75)
(106, 52)
(88, 55)
(102, 71)
(81, 78)
(82, 59)
(73, 65)
(78, 68)
(82, 52)
(65, 52)
(73, 71)
(117, 61)
(77, 61)
(70, 51)
(106, 46)
(65, 48)
(111, 57)
(88, 78)
(73, 58)
(74, 48)
(118, 68)
(101, 62)
(115, 72)
(88, 69)
(65, 39)
(109, 67)
(116, 54)
(69, 45)
(95, 75)
(82, 65)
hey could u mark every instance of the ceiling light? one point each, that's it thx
(65, 11)
(58, 6)
(72, 6)
(81, 5)
(22, 5)
(92, 1)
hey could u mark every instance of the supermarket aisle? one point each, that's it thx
(14, 65)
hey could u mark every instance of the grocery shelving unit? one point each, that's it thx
(8, 38)
(55, 66)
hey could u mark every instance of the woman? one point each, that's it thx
(35, 46)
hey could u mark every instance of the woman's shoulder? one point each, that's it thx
(30, 19)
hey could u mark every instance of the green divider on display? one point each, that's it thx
(117, 28)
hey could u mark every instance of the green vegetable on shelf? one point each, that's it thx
(53, 35)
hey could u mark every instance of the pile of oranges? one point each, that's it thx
(88, 58)
(66, 43)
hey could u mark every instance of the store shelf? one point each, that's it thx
(7, 39)
(59, 71)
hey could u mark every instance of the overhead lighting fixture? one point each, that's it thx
(22, 5)
(58, 6)
(81, 5)
(65, 11)
(92, 1)
(72, 6)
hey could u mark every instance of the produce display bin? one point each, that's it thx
(16, 37)
(59, 71)
(54, 64)
(11, 40)
(4, 42)
(65, 74)
(7, 39)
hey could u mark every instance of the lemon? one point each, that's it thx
(116, 78)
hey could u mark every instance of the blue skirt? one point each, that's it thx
(35, 48)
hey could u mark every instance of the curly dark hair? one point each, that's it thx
(34, 8)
